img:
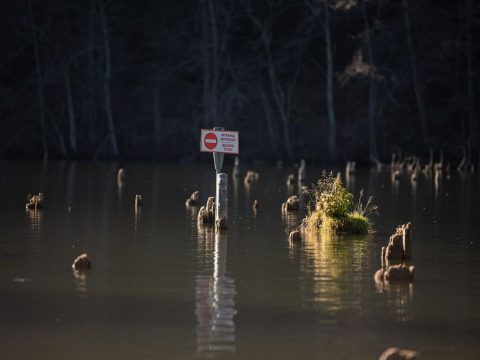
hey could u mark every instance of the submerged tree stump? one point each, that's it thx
(138, 200)
(236, 168)
(399, 354)
(399, 272)
(302, 171)
(291, 179)
(82, 262)
(399, 245)
(120, 176)
(398, 248)
(295, 237)
(251, 177)
(221, 224)
(206, 214)
(292, 204)
(350, 168)
(193, 199)
(34, 201)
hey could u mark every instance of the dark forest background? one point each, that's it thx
(321, 80)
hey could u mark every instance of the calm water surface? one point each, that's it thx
(161, 288)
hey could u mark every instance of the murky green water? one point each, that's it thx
(161, 288)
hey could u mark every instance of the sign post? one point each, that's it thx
(220, 142)
(218, 157)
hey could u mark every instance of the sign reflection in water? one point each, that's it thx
(215, 295)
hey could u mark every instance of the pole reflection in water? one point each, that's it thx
(34, 218)
(215, 295)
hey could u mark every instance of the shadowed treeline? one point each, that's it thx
(322, 80)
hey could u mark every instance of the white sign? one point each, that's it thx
(219, 141)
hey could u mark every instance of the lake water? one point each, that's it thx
(162, 288)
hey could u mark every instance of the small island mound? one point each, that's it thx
(332, 209)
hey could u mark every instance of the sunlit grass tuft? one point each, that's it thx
(332, 209)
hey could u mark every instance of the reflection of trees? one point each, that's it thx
(215, 295)
(333, 268)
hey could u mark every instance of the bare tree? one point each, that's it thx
(106, 80)
(372, 89)
(157, 119)
(413, 65)
(72, 136)
(41, 101)
(281, 99)
(471, 81)
(321, 10)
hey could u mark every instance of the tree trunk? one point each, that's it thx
(268, 117)
(72, 137)
(471, 83)
(41, 101)
(106, 83)
(332, 132)
(89, 97)
(156, 117)
(416, 82)
(277, 92)
(372, 93)
(206, 66)
(215, 67)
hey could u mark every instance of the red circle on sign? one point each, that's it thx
(210, 141)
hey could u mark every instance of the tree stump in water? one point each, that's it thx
(399, 245)
(82, 262)
(34, 201)
(399, 272)
(251, 177)
(206, 214)
(295, 237)
(399, 354)
(292, 204)
(193, 199)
